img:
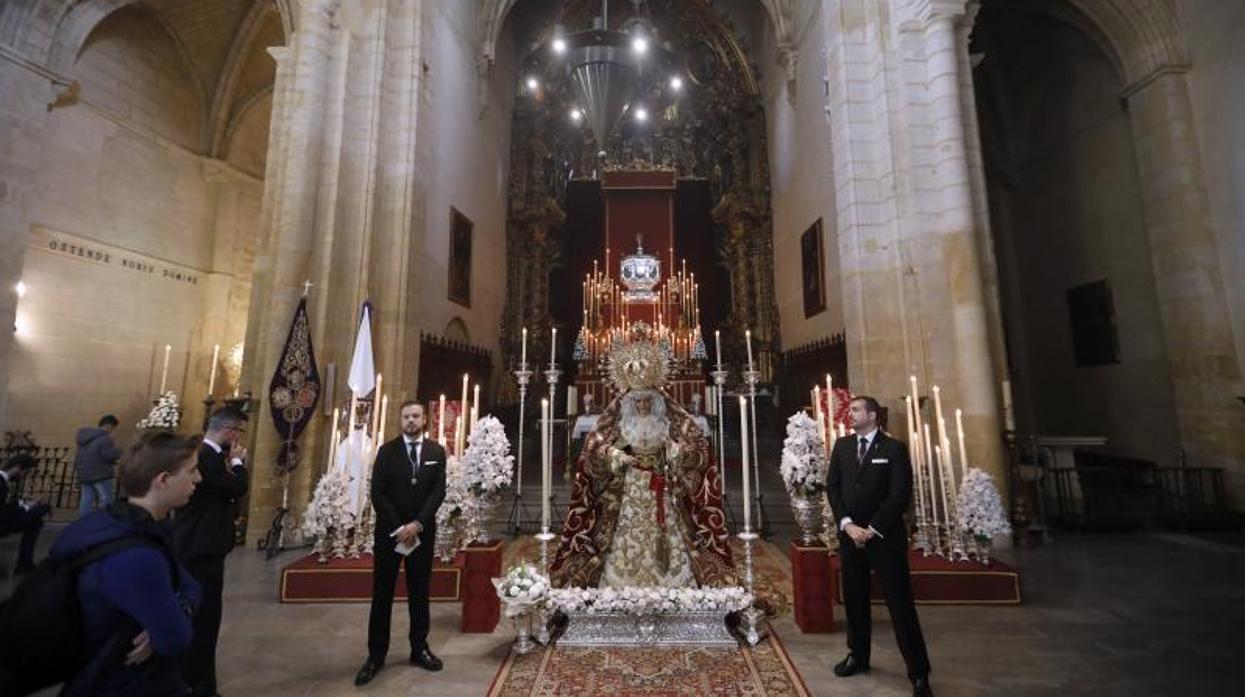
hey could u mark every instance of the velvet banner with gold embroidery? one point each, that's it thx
(295, 388)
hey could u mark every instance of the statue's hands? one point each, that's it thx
(620, 460)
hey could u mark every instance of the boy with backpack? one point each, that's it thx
(129, 603)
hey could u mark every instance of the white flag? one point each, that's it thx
(362, 378)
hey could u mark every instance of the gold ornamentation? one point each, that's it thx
(638, 365)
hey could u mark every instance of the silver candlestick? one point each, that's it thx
(542, 630)
(752, 377)
(751, 615)
(551, 376)
(518, 510)
(719, 379)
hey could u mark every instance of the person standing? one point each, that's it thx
(870, 487)
(204, 533)
(18, 515)
(95, 462)
(136, 601)
(408, 486)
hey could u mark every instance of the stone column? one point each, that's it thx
(954, 240)
(300, 98)
(1205, 370)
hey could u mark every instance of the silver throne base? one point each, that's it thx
(663, 629)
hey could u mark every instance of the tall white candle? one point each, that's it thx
(384, 415)
(942, 485)
(164, 372)
(460, 427)
(546, 464)
(441, 420)
(553, 347)
(743, 440)
(748, 336)
(475, 408)
(959, 430)
(933, 493)
(212, 370)
(523, 359)
(830, 410)
(333, 440)
(376, 404)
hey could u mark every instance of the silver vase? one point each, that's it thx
(523, 633)
(488, 501)
(808, 517)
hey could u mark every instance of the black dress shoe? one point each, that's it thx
(920, 688)
(367, 672)
(424, 659)
(850, 666)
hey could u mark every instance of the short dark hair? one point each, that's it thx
(871, 404)
(225, 417)
(108, 420)
(154, 453)
(413, 403)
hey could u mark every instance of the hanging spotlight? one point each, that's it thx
(641, 114)
(676, 83)
(532, 84)
(639, 45)
(576, 115)
(559, 45)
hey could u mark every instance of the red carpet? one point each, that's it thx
(938, 581)
(350, 581)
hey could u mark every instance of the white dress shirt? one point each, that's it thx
(236, 462)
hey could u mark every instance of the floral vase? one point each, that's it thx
(523, 632)
(808, 517)
(488, 502)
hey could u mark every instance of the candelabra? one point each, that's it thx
(719, 379)
(751, 377)
(518, 510)
(751, 615)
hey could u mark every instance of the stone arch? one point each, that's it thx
(221, 122)
(456, 330)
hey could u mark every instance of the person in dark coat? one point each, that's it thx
(136, 602)
(408, 486)
(204, 533)
(95, 462)
(870, 487)
(20, 516)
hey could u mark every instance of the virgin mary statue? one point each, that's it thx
(646, 501)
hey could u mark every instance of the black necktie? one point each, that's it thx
(412, 454)
(864, 447)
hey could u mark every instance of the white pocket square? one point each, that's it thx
(880, 460)
(431, 462)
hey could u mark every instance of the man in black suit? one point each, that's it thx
(408, 485)
(203, 532)
(18, 515)
(870, 487)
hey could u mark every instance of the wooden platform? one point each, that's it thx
(350, 581)
(938, 581)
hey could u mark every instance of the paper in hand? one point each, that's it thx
(405, 549)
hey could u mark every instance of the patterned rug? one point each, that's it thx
(771, 569)
(763, 670)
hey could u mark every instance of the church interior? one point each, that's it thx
(1018, 225)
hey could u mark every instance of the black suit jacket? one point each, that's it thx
(875, 492)
(204, 526)
(396, 498)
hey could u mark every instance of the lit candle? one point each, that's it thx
(164, 372)
(546, 464)
(942, 481)
(821, 422)
(717, 340)
(743, 440)
(748, 336)
(959, 430)
(830, 412)
(333, 441)
(931, 466)
(441, 420)
(384, 415)
(459, 433)
(523, 358)
(376, 398)
(212, 370)
(553, 348)
(476, 406)
(475, 416)
(938, 420)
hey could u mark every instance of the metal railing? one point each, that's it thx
(52, 481)
(1122, 498)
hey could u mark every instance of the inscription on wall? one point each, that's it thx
(124, 260)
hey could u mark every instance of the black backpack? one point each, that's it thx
(42, 640)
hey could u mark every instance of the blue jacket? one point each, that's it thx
(125, 593)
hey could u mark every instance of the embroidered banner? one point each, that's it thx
(295, 388)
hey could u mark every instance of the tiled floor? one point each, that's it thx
(1103, 615)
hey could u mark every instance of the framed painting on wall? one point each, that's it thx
(460, 258)
(813, 271)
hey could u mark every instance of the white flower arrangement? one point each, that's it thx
(329, 516)
(458, 520)
(522, 589)
(981, 509)
(803, 463)
(649, 600)
(166, 413)
(487, 463)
